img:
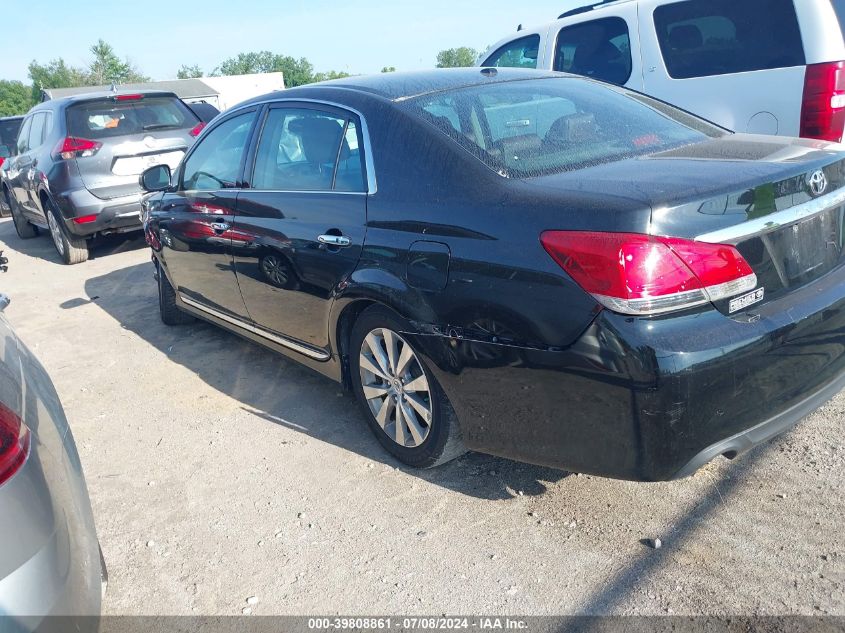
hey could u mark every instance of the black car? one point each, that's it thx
(9, 127)
(527, 264)
(77, 161)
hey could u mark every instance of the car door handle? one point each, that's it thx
(220, 227)
(334, 240)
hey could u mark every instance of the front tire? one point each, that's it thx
(405, 407)
(71, 249)
(169, 311)
(23, 228)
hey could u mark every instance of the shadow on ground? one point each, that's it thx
(42, 247)
(271, 386)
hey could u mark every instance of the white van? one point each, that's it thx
(759, 66)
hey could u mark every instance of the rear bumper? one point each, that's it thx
(114, 215)
(650, 399)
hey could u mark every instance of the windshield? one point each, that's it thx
(107, 118)
(533, 128)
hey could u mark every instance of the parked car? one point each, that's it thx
(75, 172)
(50, 562)
(9, 127)
(758, 66)
(522, 263)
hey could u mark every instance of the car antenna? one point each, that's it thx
(519, 28)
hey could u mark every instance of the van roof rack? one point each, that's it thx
(586, 8)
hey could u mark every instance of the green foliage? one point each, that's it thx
(297, 71)
(189, 72)
(457, 57)
(55, 74)
(332, 74)
(15, 98)
(389, 69)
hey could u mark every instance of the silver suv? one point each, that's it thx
(77, 160)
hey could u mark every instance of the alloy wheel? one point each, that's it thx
(56, 233)
(395, 387)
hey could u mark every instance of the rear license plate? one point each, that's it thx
(135, 165)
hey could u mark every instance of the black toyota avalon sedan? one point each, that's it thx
(522, 263)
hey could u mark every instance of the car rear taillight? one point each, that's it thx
(197, 128)
(73, 147)
(823, 105)
(639, 274)
(14, 443)
(2, 160)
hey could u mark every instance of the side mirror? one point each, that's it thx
(156, 178)
(5, 152)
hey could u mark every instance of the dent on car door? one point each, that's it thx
(195, 222)
(301, 223)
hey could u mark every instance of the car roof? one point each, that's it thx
(401, 86)
(103, 94)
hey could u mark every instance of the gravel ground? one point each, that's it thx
(220, 472)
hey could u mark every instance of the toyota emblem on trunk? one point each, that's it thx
(818, 183)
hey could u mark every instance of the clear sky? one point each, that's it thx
(359, 36)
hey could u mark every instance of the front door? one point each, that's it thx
(196, 221)
(300, 224)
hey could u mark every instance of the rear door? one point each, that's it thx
(740, 64)
(300, 225)
(196, 221)
(133, 132)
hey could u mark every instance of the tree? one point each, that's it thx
(457, 57)
(297, 71)
(15, 98)
(332, 74)
(107, 68)
(55, 74)
(189, 72)
(389, 69)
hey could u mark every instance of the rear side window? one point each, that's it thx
(702, 38)
(533, 128)
(521, 53)
(600, 49)
(108, 118)
(308, 150)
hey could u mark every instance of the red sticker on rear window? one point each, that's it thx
(645, 141)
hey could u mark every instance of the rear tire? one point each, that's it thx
(405, 407)
(170, 312)
(71, 249)
(23, 228)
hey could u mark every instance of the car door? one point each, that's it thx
(738, 64)
(195, 220)
(20, 163)
(300, 225)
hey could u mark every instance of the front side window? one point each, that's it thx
(308, 150)
(215, 163)
(23, 136)
(521, 53)
(533, 128)
(599, 49)
(703, 38)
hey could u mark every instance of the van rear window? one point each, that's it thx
(703, 38)
(108, 118)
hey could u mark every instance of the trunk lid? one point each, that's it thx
(779, 201)
(134, 134)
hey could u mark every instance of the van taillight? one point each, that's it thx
(14, 443)
(823, 105)
(644, 275)
(73, 147)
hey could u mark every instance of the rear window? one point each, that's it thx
(702, 38)
(108, 118)
(532, 128)
(9, 131)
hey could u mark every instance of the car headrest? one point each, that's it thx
(686, 37)
(320, 138)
